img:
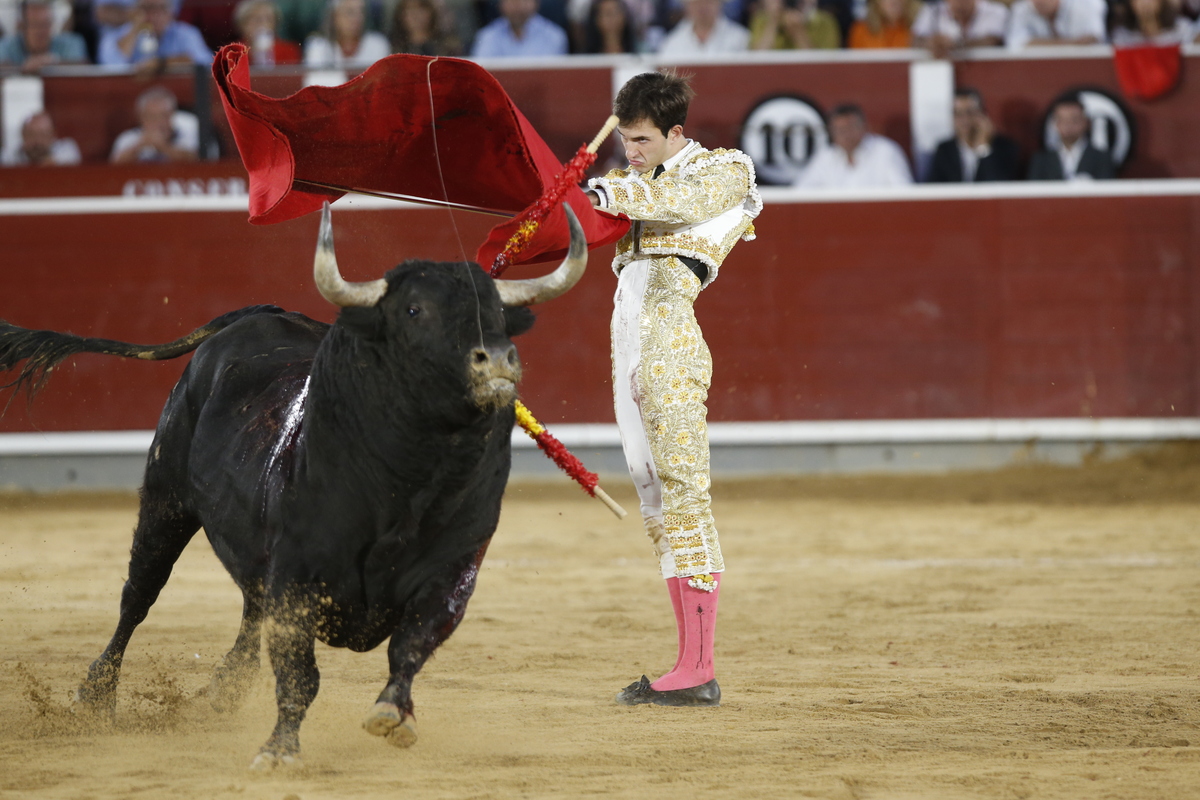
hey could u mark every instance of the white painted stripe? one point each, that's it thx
(990, 190)
(64, 206)
(772, 195)
(731, 434)
(953, 430)
(76, 443)
(649, 62)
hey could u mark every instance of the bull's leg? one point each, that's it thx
(290, 643)
(429, 619)
(232, 678)
(161, 534)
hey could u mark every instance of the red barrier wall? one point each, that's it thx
(1009, 307)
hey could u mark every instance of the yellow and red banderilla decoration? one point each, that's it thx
(561, 456)
(531, 218)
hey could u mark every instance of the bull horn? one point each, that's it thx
(548, 287)
(330, 283)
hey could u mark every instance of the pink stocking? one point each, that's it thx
(696, 617)
(673, 585)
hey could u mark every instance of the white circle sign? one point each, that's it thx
(780, 135)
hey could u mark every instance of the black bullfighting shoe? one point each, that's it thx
(639, 693)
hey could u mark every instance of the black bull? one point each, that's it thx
(348, 476)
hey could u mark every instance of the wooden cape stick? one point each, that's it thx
(408, 198)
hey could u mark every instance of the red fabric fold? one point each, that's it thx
(1147, 71)
(434, 128)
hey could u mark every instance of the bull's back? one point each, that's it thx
(223, 422)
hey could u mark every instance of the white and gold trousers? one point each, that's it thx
(662, 370)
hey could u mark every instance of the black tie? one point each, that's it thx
(659, 170)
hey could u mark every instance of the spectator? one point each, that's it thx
(215, 19)
(40, 147)
(1075, 158)
(704, 31)
(347, 42)
(948, 25)
(109, 15)
(1149, 22)
(10, 15)
(461, 18)
(1038, 22)
(798, 26)
(257, 23)
(888, 23)
(153, 39)
(520, 32)
(417, 28)
(163, 134)
(643, 20)
(855, 158)
(36, 45)
(609, 28)
(976, 152)
(99, 18)
(300, 19)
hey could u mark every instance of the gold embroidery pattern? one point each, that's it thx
(699, 208)
(710, 252)
(674, 377)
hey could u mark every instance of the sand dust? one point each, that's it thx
(1025, 634)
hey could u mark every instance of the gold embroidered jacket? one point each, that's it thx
(699, 207)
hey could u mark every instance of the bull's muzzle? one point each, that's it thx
(493, 376)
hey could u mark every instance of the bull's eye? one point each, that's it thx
(413, 310)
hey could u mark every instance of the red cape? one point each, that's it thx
(378, 133)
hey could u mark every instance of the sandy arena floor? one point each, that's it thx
(1025, 634)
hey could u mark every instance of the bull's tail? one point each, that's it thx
(42, 351)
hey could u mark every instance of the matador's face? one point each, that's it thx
(645, 145)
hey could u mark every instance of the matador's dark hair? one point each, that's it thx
(660, 97)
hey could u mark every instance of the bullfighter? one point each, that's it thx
(689, 206)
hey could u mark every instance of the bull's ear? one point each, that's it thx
(363, 321)
(517, 320)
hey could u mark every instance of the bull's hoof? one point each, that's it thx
(404, 734)
(268, 762)
(97, 706)
(386, 719)
(226, 692)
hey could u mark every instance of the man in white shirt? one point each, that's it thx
(704, 31)
(158, 137)
(953, 24)
(521, 32)
(1042, 22)
(856, 158)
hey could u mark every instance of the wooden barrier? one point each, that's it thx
(1024, 302)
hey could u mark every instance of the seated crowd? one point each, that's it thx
(976, 153)
(148, 36)
(152, 34)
